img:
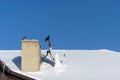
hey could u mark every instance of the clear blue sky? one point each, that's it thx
(72, 24)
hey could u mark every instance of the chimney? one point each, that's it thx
(31, 55)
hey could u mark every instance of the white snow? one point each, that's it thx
(76, 65)
(57, 61)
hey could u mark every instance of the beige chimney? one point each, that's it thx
(31, 52)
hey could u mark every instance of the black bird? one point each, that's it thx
(24, 37)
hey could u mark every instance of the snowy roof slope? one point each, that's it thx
(77, 65)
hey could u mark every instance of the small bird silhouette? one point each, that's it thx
(24, 37)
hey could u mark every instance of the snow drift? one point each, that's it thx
(77, 65)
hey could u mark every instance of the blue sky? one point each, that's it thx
(72, 24)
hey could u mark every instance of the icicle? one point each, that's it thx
(3, 67)
(3, 76)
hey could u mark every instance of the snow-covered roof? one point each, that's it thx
(74, 65)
